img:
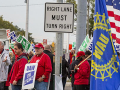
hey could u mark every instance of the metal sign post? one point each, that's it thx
(59, 18)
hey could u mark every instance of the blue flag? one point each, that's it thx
(105, 73)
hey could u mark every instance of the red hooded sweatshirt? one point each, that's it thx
(17, 70)
(44, 65)
(82, 75)
(71, 55)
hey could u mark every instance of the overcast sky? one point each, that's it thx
(15, 11)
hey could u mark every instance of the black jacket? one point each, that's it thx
(89, 60)
(51, 58)
(76, 62)
(65, 67)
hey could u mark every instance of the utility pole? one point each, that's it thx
(27, 18)
(58, 49)
(68, 42)
(81, 22)
(88, 18)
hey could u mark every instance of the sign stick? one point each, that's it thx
(85, 59)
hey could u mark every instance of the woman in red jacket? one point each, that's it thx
(82, 73)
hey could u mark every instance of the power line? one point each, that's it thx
(22, 5)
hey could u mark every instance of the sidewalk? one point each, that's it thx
(68, 86)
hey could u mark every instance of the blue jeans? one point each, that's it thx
(40, 85)
(16, 87)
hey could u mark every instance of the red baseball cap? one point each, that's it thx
(80, 53)
(39, 45)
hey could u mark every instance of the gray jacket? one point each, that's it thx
(4, 66)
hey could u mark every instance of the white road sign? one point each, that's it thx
(59, 17)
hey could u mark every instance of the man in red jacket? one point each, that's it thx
(16, 73)
(44, 67)
(82, 73)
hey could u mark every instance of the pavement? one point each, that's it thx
(68, 86)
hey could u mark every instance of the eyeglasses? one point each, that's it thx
(38, 48)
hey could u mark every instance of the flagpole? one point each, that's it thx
(68, 42)
(27, 19)
(85, 59)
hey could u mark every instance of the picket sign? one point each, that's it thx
(25, 43)
(29, 76)
(12, 46)
(58, 83)
(33, 47)
(30, 49)
(89, 47)
(13, 36)
(84, 44)
(8, 32)
(117, 46)
(73, 45)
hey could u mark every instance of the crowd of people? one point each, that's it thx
(12, 68)
(79, 75)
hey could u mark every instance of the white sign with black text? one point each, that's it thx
(59, 17)
(29, 76)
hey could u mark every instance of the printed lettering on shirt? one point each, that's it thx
(37, 61)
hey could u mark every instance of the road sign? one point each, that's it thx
(59, 17)
(44, 41)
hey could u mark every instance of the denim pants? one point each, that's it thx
(16, 87)
(40, 85)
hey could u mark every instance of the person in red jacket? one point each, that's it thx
(16, 73)
(82, 73)
(44, 67)
(14, 53)
(71, 56)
